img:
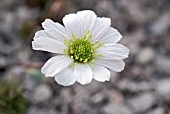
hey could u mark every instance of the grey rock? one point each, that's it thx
(42, 93)
(115, 96)
(134, 48)
(116, 109)
(14, 73)
(142, 102)
(93, 87)
(136, 71)
(8, 20)
(162, 63)
(79, 102)
(2, 61)
(145, 86)
(134, 9)
(163, 89)
(113, 77)
(161, 24)
(28, 83)
(8, 3)
(80, 107)
(159, 110)
(8, 38)
(145, 55)
(98, 97)
(104, 6)
(34, 110)
(126, 85)
(88, 4)
(24, 55)
(23, 13)
(66, 96)
(130, 86)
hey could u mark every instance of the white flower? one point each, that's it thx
(86, 47)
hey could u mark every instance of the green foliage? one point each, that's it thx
(36, 73)
(11, 99)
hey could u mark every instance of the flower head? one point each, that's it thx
(86, 47)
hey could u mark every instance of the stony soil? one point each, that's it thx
(142, 88)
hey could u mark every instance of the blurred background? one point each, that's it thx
(142, 88)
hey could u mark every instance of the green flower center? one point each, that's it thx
(80, 49)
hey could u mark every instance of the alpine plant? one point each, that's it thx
(86, 48)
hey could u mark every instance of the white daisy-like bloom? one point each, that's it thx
(86, 48)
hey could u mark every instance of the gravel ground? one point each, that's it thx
(142, 88)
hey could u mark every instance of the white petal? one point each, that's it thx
(65, 77)
(111, 37)
(41, 33)
(100, 28)
(116, 65)
(100, 73)
(73, 25)
(113, 51)
(56, 64)
(88, 19)
(56, 30)
(83, 73)
(49, 45)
